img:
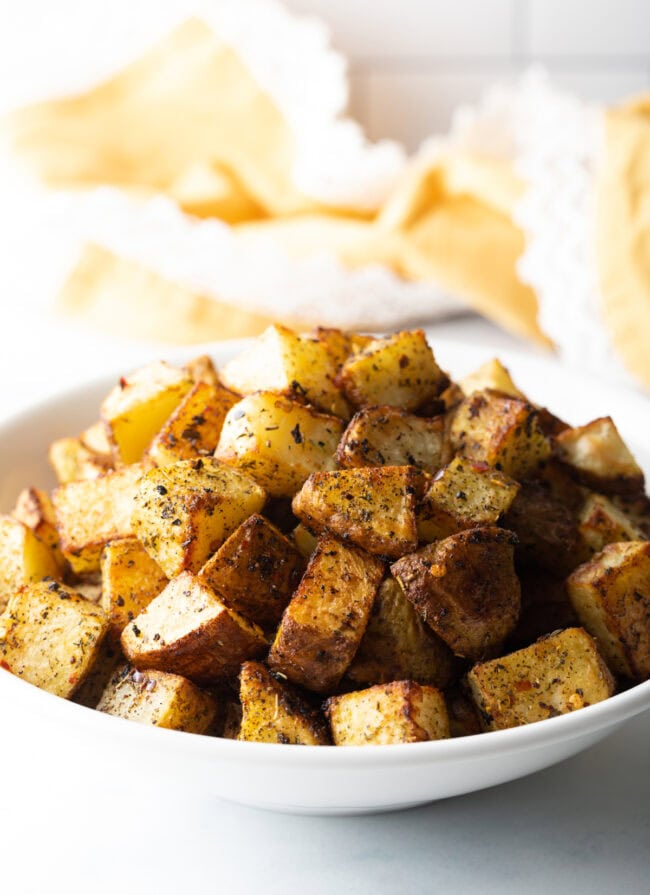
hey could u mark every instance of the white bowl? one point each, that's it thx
(319, 780)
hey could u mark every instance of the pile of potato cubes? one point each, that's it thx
(330, 541)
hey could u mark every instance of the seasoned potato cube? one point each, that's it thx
(502, 431)
(371, 507)
(23, 558)
(601, 522)
(187, 630)
(50, 636)
(92, 512)
(34, 509)
(558, 674)
(305, 541)
(465, 588)
(323, 624)
(96, 440)
(599, 458)
(194, 427)
(283, 362)
(255, 571)
(611, 596)
(278, 442)
(130, 581)
(232, 720)
(399, 370)
(109, 657)
(546, 529)
(341, 345)
(493, 375)
(134, 410)
(388, 436)
(184, 512)
(463, 494)
(158, 698)
(399, 712)
(398, 645)
(71, 461)
(201, 369)
(464, 718)
(545, 607)
(273, 712)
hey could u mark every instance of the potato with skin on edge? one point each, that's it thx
(34, 509)
(50, 636)
(599, 458)
(157, 698)
(278, 442)
(398, 712)
(323, 624)
(372, 507)
(255, 571)
(560, 673)
(182, 513)
(71, 461)
(388, 436)
(611, 597)
(465, 588)
(601, 522)
(188, 630)
(546, 529)
(341, 345)
(24, 558)
(274, 712)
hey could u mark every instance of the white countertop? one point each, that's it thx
(582, 826)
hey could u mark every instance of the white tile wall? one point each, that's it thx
(413, 61)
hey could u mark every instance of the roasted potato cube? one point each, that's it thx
(273, 712)
(96, 440)
(601, 522)
(109, 657)
(399, 712)
(464, 718)
(278, 442)
(283, 362)
(194, 427)
(158, 698)
(341, 345)
(558, 674)
(323, 624)
(373, 507)
(399, 370)
(232, 720)
(187, 630)
(546, 529)
(255, 571)
(499, 430)
(50, 636)
(611, 596)
(493, 375)
(130, 581)
(398, 645)
(71, 461)
(465, 588)
(388, 436)
(24, 558)
(137, 407)
(599, 458)
(184, 512)
(305, 541)
(202, 369)
(545, 607)
(92, 512)
(463, 494)
(34, 509)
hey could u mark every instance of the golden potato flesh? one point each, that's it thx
(255, 571)
(194, 427)
(130, 581)
(388, 436)
(304, 540)
(157, 698)
(50, 636)
(34, 509)
(601, 522)
(92, 512)
(71, 460)
(611, 596)
(95, 439)
(137, 407)
(501, 431)
(599, 458)
(399, 370)
(182, 513)
(298, 367)
(341, 345)
(278, 442)
(273, 712)
(399, 712)
(465, 588)
(461, 495)
(558, 674)
(372, 507)
(323, 624)
(24, 558)
(188, 630)
(202, 369)
(492, 374)
(398, 645)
